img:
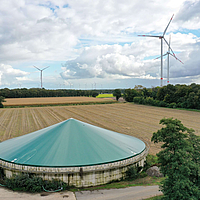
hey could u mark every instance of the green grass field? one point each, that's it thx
(104, 96)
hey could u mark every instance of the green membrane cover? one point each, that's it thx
(68, 144)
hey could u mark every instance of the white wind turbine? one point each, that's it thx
(169, 53)
(41, 70)
(161, 37)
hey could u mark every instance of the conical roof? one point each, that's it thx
(70, 143)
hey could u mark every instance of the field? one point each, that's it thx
(136, 120)
(105, 96)
(52, 101)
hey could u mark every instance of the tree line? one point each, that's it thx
(41, 92)
(173, 96)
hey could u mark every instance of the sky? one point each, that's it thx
(91, 44)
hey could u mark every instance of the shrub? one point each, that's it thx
(151, 160)
(132, 172)
(30, 183)
(172, 105)
(139, 100)
(149, 101)
(162, 104)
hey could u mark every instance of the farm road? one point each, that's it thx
(6, 194)
(130, 193)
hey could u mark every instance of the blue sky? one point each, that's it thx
(95, 43)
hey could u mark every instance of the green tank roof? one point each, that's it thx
(70, 143)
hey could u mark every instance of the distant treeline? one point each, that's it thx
(41, 92)
(178, 96)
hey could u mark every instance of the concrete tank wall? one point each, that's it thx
(79, 176)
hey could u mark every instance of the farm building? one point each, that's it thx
(78, 153)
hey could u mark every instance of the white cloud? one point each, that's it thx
(189, 15)
(98, 38)
(9, 75)
(105, 61)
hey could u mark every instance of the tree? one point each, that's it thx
(94, 93)
(1, 100)
(129, 94)
(117, 94)
(178, 159)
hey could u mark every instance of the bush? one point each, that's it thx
(2, 99)
(139, 100)
(132, 172)
(172, 105)
(151, 160)
(31, 183)
(149, 101)
(163, 104)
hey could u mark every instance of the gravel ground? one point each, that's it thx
(6, 194)
(131, 193)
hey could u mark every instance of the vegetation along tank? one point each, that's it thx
(78, 153)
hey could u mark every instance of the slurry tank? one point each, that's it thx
(75, 152)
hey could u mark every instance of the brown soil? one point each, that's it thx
(51, 101)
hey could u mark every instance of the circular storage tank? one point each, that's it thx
(78, 153)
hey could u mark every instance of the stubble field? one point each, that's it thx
(136, 120)
(52, 101)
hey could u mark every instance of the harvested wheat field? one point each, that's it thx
(136, 120)
(52, 101)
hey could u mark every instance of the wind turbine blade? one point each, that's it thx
(37, 68)
(45, 68)
(160, 56)
(168, 25)
(176, 58)
(169, 46)
(150, 36)
(169, 43)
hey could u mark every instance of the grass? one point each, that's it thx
(155, 198)
(104, 96)
(146, 181)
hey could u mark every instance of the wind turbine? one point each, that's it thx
(169, 53)
(161, 37)
(41, 70)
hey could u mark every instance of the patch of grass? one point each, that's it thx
(155, 198)
(146, 181)
(104, 96)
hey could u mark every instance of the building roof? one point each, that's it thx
(68, 144)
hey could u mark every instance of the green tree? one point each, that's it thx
(94, 93)
(129, 94)
(178, 160)
(117, 94)
(1, 100)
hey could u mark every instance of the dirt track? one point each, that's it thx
(136, 120)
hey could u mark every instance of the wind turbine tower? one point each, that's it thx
(161, 37)
(41, 70)
(169, 53)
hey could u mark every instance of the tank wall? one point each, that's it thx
(79, 176)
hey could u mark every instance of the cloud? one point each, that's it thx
(98, 39)
(52, 30)
(135, 60)
(189, 15)
(191, 67)
(9, 75)
(107, 61)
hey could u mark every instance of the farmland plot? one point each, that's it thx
(136, 120)
(52, 101)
